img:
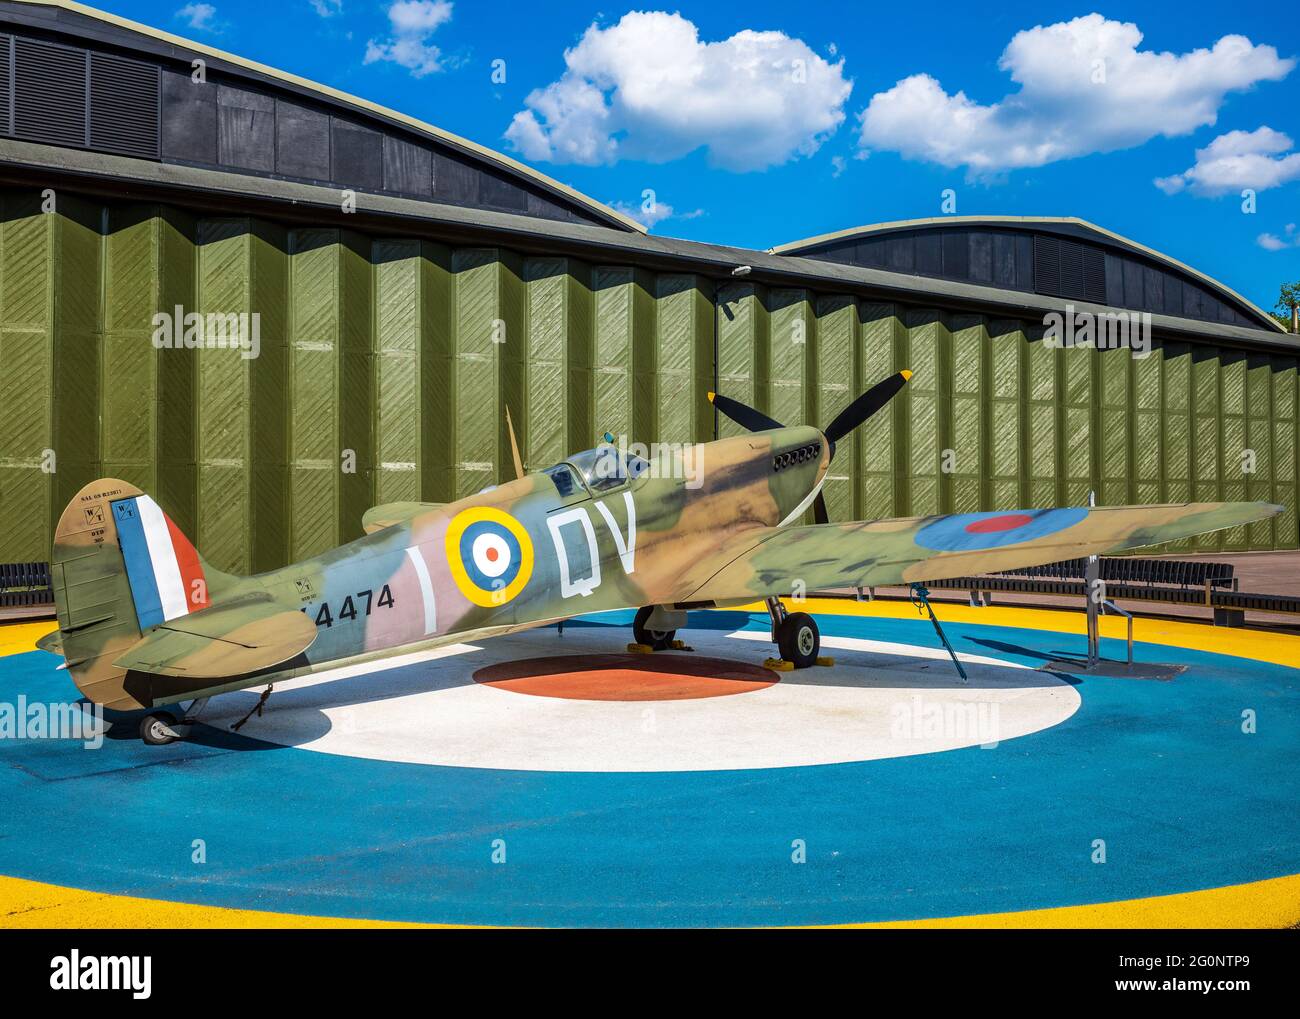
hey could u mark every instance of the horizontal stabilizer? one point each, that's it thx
(378, 517)
(52, 642)
(226, 640)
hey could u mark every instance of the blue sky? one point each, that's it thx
(757, 139)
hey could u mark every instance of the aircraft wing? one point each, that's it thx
(232, 639)
(378, 517)
(879, 553)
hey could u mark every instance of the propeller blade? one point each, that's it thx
(819, 509)
(864, 406)
(746, 417)
(852, 416)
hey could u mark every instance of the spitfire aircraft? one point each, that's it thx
(146, 623)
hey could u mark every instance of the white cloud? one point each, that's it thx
(650, 212)
(1084, 87)
(327, 8)
(1239, 159)
(648, 88)
(412, 23)
(657, 212)
(1272, 242)
(199, 16)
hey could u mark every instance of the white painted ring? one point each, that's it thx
(881, 700)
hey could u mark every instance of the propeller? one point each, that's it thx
(745, 416)
(843, 423)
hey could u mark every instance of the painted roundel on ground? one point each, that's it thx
(967, 532)
(490, 555)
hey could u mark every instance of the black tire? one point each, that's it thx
(152, 731)
(799, 640)
(660, 640)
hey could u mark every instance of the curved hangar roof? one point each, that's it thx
(87, 79)
(1054, 256)
(72, 77)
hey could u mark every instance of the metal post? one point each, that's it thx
(1091, 577)
(1127, 615)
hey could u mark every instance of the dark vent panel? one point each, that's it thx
(1065, 268)
(1047, 265)
(6, 93)
(49, 93)
(124, 105)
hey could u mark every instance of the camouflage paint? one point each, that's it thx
(526, 553)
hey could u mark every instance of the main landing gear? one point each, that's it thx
(646, 635)
(161, 727)
(795, 635)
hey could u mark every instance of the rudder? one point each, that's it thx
(120, 567)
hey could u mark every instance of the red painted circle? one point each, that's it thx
(627, 677)
(492, 554)
(991, 525)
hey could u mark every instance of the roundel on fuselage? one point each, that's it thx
(489, 554)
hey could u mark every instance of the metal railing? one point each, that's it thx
(1165, 581)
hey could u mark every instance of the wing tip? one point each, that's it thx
(712, 395)
(1262, 509)
(907, 374)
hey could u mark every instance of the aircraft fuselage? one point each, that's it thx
(536, 549)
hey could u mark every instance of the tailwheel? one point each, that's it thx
(659, 640)
(157, 730)
(799, 639)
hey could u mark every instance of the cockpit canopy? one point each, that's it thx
(598, 470)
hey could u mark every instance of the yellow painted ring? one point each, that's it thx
(1271, 903)
(456, 530)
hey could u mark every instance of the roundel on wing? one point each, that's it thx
(973, 532)
(490, 555)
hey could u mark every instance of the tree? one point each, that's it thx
(1287, 302)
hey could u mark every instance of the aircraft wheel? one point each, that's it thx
(799, 640)
(154, 730)
(660, 640)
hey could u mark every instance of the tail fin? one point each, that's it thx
(121, 567)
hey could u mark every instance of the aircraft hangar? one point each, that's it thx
(410, 286)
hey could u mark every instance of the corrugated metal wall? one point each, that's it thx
(386, 365)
